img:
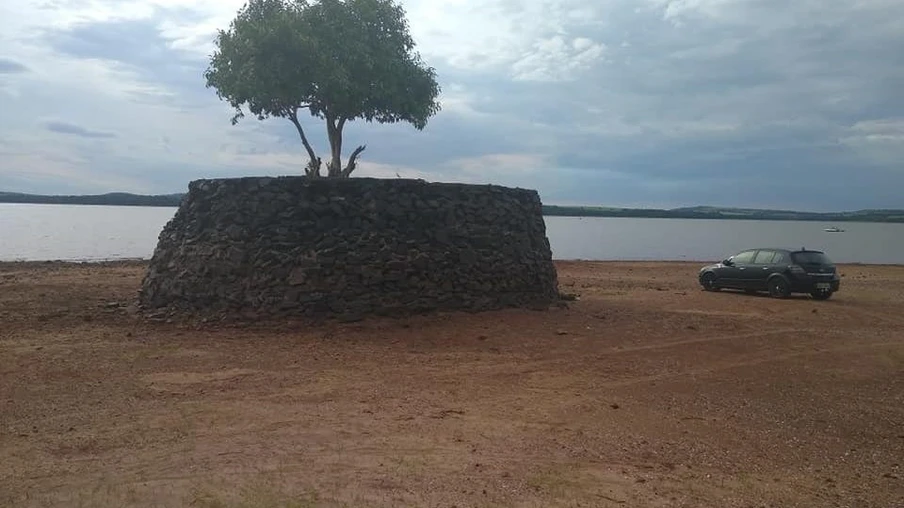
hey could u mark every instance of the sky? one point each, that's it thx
(650, 103)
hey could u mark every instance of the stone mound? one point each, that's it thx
(350, 248)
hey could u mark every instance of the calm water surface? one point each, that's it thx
(700, 239)
(79, 232)
(50, 232)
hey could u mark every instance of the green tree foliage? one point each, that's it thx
(340, 60)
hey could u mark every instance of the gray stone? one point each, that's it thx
(298, 277)
(349, 248)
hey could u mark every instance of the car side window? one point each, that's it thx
(764, 257)
(743, 258)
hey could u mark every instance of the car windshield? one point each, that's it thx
(811, 258)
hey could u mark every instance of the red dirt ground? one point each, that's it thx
(647, 392)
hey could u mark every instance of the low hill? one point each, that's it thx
(695, 212)
(711, 212)
(113, 198)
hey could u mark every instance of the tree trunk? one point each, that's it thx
(334, 129)
(313, 168)
(334, 132)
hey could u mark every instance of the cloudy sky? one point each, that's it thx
(765, 103)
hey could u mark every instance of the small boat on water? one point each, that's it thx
(833, 229)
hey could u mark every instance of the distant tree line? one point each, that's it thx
(700, 212)
(704, 212)
(112, 199)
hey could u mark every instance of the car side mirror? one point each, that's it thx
(727, 262)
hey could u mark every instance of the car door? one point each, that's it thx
(735, 275)
(760, 269)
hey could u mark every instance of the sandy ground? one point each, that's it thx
(647, 392)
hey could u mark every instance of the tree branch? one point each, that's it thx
(313, 168)
(352, 161)
(237, 116)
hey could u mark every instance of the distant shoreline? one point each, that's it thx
(717, 213)
(699, 212)
(111, 199)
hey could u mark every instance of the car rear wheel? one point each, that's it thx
(822, 294)
(779, 287)
(709, 282)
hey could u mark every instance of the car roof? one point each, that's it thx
(783, 249)
(780, 249)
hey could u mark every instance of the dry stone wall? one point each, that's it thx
(350, 248)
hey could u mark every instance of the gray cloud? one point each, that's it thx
(730, 103)
(8, 66)
(140, 47)
(715, 100)
(76, 130)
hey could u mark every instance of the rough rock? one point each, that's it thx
(353, 247)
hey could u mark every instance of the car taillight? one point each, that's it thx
(798, 270)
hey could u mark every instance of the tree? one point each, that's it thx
(340, 60)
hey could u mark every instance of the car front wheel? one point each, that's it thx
(708, 281)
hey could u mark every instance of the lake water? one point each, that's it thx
(52, 232)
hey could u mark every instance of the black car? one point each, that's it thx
(781, 272)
